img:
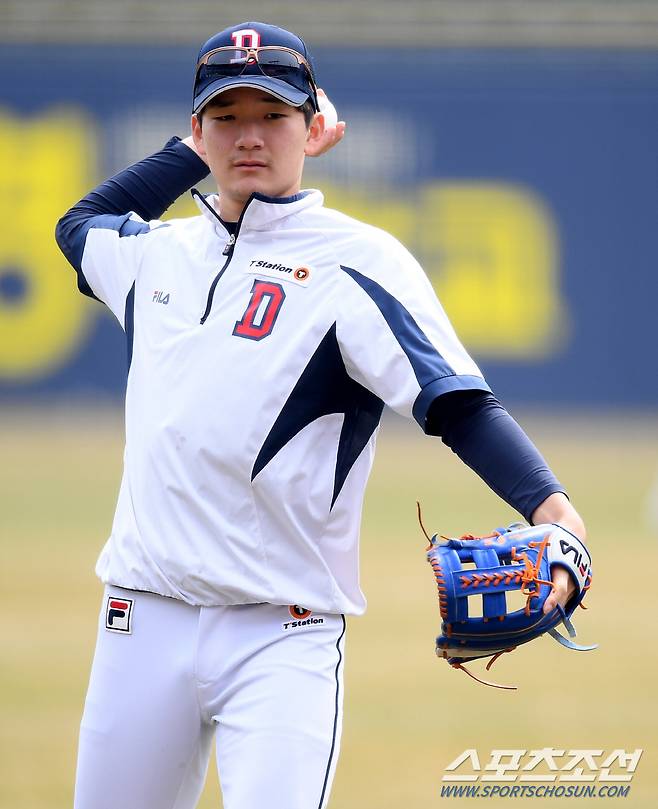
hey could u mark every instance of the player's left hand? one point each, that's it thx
(564, 587)
(334, 130)
(557, 509)
(520, 558)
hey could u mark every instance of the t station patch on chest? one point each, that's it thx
(286, 270)
(118, 614)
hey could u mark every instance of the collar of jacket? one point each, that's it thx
(261, 212)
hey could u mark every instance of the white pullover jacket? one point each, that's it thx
(260, 368)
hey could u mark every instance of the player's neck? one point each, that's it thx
(230, 208)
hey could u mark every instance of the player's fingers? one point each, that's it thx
(329, 139)
(334, 135)
(563, 588)
(551, 603)
(337, 132)
(327, 109)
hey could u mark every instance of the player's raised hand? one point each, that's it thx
(189, 141)
(334, 130)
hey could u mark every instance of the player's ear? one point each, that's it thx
(197, 134)
(315, 133)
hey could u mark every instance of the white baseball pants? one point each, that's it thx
(167, 676)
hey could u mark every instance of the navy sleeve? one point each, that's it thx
(147, 188)
(482, 433)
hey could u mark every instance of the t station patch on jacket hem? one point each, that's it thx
(301, 618)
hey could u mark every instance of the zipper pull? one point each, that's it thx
(229, 245)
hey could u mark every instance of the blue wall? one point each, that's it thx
(525, 181)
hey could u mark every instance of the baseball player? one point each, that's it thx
(264, 338)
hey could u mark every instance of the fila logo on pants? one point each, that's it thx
(118, 614)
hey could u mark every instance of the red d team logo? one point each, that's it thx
(298, 612)
(118, 614)
(261, 312)
(246, 38)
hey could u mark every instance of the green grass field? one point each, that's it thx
(407, 714)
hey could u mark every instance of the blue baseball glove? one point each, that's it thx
(483, 569)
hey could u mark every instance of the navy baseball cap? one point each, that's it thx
(279, 72)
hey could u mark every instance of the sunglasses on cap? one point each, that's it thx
(273, 60)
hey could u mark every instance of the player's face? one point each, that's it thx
(253, 142)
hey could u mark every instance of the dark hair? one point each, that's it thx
(307, 109)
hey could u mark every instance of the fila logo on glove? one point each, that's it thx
(566, 549)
